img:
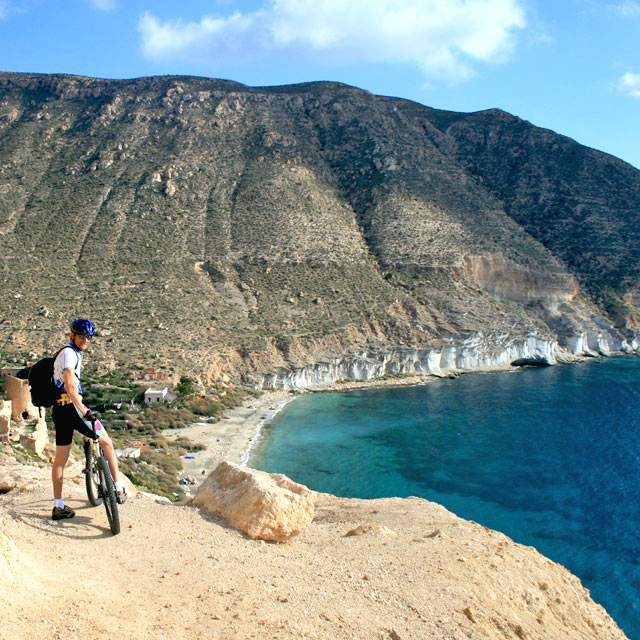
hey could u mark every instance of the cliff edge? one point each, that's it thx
(409, 570)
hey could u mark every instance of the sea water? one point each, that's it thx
(549, 456)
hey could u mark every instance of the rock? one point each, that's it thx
(5, 420)
(265, 506)
(370, 528)
(37, 439)
(18, 477)
(170, 188)
(469, 613)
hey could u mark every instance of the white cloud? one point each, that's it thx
(628, 8)
(104, 5)
(442, 37)
(629, 83)
(4, 9)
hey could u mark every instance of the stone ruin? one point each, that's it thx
(20, 420)
(5, 421)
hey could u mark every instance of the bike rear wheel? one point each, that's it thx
(91, 475)
(109, 492)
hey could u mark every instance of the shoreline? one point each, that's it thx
(236, 435)
(231, 438)
(239, 431)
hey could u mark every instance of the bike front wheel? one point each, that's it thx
(110, 500)
(92, 475)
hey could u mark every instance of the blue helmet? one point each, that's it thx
(83, 326)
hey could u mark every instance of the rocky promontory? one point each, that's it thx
(390, 569)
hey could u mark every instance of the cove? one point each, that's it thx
(549, 456)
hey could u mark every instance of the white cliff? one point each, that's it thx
(481, 352)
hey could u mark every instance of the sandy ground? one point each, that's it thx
(231, 438)
(411, 571)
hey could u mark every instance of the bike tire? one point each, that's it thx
(92, 475)
(109, 492)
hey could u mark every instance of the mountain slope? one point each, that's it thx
(211, 227)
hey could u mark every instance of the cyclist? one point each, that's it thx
(70, 414)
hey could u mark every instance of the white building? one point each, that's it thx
(129, 452)
(159, 396)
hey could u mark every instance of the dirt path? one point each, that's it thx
(415, 571)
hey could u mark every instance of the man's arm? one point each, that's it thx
(71, 388)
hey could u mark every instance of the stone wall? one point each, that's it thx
(37, 439)
(19, 408)
(19, 392)
(5, 421)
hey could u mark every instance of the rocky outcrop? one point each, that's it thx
(482, 352)
(505, 279)
(265, 506)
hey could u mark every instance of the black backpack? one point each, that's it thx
(44, 392)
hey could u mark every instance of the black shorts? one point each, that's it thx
(66, 421)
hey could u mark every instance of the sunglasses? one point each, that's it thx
(84, 336)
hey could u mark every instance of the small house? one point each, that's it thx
(159, 396)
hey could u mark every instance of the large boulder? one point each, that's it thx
(262, 505)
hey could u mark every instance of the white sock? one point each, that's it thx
(58, 502)
(119, 485)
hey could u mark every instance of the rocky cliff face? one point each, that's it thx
(264, 234)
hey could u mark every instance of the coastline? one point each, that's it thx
(231, 438)
(235, 436)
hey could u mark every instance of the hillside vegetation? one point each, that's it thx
(213, 229)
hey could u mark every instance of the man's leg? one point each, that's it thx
(60, 510)
(57, 471)
(110, 454)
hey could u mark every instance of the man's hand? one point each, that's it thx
(91, 415)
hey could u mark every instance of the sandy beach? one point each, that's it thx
(232, 438)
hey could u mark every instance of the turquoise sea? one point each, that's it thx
(549, 456)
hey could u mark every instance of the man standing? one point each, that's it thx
(70, 414)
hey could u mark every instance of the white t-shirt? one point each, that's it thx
(68, 358)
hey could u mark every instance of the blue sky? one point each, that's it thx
(569, 65)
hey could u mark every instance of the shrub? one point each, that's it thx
(204, 407)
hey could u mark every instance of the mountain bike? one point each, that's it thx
(101, 488)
